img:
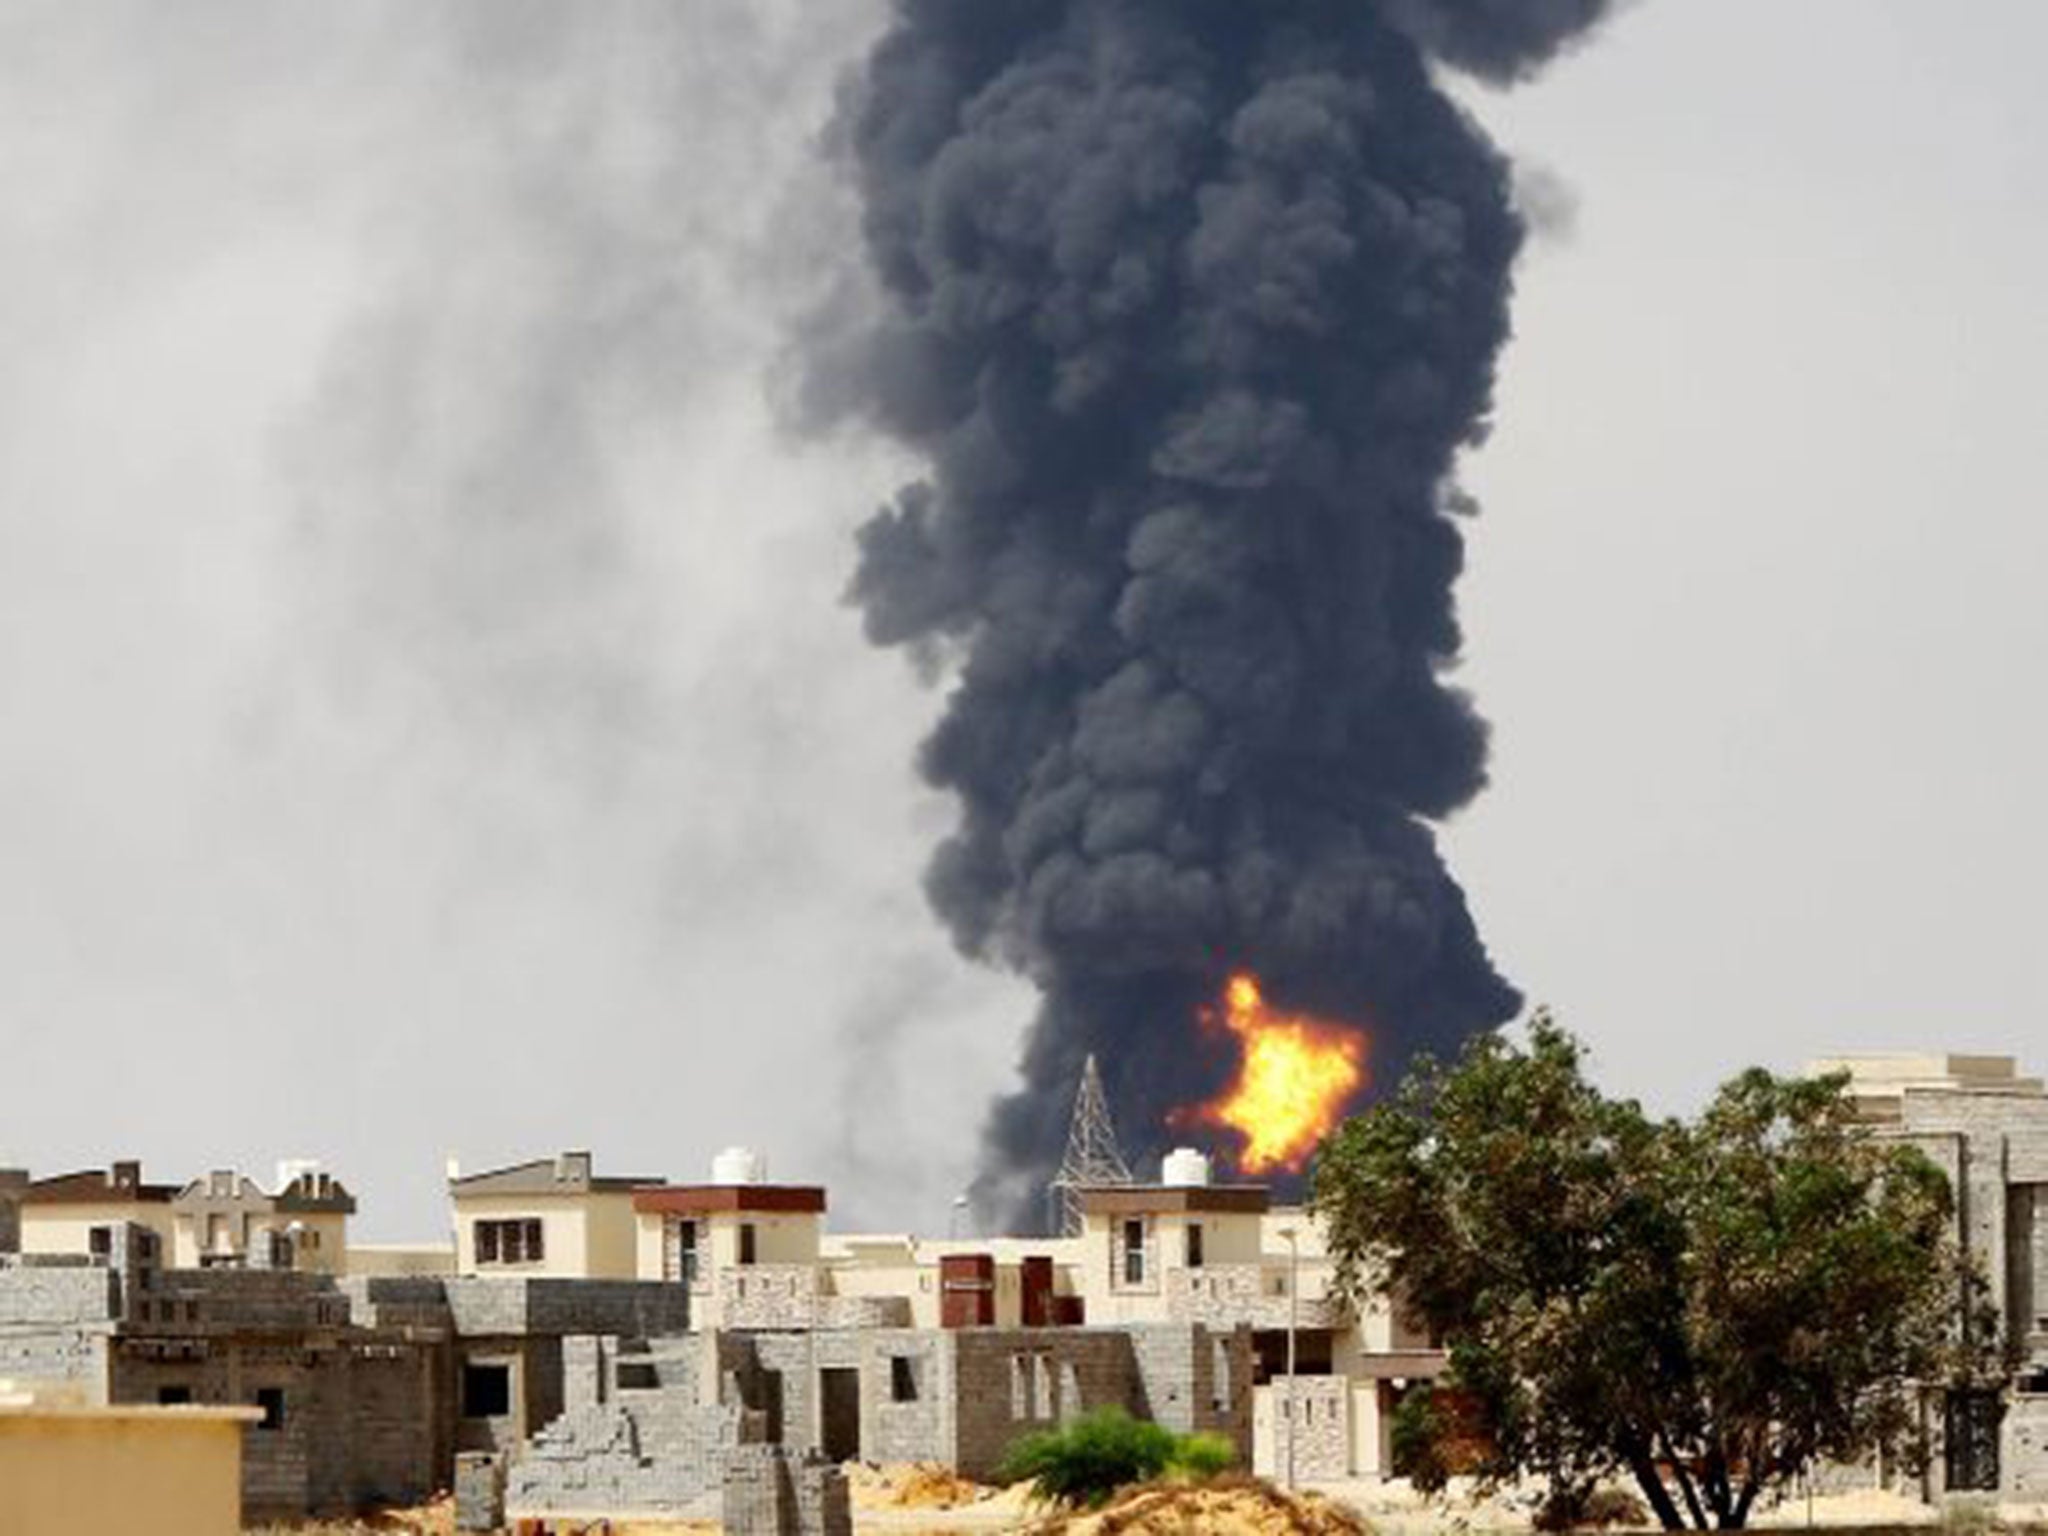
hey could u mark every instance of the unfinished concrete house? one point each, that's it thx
(1176, 1302)
(367, 1387)
(1986, 1127)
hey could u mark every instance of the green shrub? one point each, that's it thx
(1202, 1456)
(1084, 1462)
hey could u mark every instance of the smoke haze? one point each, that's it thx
(429, 718)
(1189, 306)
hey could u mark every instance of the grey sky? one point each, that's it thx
(427, 722)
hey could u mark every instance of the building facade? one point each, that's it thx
(1986, 1127)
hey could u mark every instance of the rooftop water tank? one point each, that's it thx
(739, 1165)
(1184, 1168)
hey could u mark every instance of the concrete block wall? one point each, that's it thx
(638, 1440)
(1192, 1379)
(1009, 1382)
(479, 1491)
(923, 1426)
(74, 1355)
(53, 1295)
(769, 1491)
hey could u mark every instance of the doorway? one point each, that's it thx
(839, 1404)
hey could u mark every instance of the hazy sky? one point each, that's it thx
(428, 723)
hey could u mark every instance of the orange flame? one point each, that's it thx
(1296, 1074)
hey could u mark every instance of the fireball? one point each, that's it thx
(1295, 1076)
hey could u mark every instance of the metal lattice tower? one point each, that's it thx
(1093, 1158)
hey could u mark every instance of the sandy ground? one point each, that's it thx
(932, 1502)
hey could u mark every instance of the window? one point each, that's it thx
(486, 1391)
(686, 1252)
(1194, 1245)
(171, 1397)
(902, 1379)
(517, 1241)
(1134, 1251)
(1041, 1387)
(747, 1247)
(271, 1401)
(100, 1242)
(1020, 1386)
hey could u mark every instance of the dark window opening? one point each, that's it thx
(1313, 1353)
(100, 1242)
(171, 1397)
(1134, 1252)
(517, 1241)
(686, 1252)
(746, 1242)
(486, 1391)
(902, 1379)
(1194, 1245)
(271, 1401)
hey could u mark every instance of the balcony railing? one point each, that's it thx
(789, 1296)
(1255, 1295)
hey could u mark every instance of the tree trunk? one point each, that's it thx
(1655, 1492)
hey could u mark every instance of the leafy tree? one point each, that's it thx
(1708, 1307)
(1084, 1462)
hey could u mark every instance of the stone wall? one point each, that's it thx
(1248, 1295)
(2023, 1450)
(1315, 1413)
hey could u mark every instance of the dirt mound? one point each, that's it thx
(916, 1485)
(1237, 1504)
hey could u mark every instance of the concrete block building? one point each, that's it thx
(366, 1388)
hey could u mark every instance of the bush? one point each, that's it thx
(1084, 1462)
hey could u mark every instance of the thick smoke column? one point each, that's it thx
(1190, 305)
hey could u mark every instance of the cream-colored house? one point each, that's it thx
(551, 1217)
(77, 1212)
(227, 1219)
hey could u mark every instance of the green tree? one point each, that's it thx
(1709, 1307)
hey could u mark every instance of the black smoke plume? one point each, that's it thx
(1189, 305)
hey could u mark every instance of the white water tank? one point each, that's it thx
(1184, 1168)
(739, 1165)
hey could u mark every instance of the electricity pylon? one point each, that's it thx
(1093, 1158)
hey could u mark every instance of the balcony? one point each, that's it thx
(1254, 1295)
(790, 1297)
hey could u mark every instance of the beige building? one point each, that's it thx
(113, 1471)
(227, 1219)
(1986, 1127)
(77, 1212)
(553, 1217)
